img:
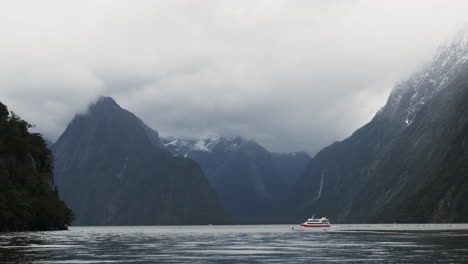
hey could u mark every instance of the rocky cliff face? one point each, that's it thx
(386, 167)
(28, 199)
(112, 171)
(434, 154)
(249, 179)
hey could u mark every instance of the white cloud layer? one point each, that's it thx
(293, 75)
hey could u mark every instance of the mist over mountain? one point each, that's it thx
(111, 170)
(310, 72)
(406, 165)
(249, 179)
(409, 163)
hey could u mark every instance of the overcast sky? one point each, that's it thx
(293, 75)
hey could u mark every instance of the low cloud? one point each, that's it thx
(293, 75)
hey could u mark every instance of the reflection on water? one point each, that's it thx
(232, 244)
(17, 248)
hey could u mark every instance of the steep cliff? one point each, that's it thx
(111, 170)
(407, 164)
(28, 198)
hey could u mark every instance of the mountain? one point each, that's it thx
(249, 179)
(290, 166)
(28, 197)
(111, 170)
(408, 164)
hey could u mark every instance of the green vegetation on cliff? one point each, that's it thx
(28, 199)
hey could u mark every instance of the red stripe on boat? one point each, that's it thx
(315, 225)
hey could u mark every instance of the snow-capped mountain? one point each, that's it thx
(248, 178)
(451, 59)
(408, 164)
(183, 147)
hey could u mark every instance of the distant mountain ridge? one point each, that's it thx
(249, 179)
(111, 170)
(389, 168)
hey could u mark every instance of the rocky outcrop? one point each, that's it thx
(28, 197)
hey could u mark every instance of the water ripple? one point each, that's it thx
(230, 244)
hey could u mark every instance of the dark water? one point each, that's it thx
(233, 244)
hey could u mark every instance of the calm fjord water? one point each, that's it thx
(234, 244)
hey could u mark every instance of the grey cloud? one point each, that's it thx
(293, 75)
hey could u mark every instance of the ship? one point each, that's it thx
(316, 222)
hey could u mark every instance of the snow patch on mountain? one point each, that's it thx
(205, 144)
(172, 143)
(183, 147)
(450, 59)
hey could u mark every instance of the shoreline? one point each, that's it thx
(412, 231)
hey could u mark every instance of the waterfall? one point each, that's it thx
(321, 186)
